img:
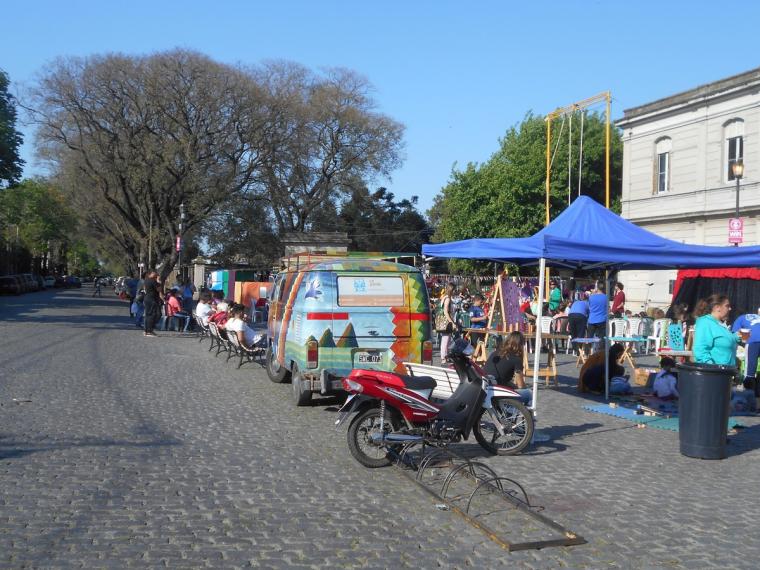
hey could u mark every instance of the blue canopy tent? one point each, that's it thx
(588, 236)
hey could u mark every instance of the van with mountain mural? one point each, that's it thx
(329, 316)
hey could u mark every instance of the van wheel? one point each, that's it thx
(276, 372)
(301, 388)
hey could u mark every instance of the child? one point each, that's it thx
(665, 383)
(478, 319)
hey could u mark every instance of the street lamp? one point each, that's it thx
(737, 168)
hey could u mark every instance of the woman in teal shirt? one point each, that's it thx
(714, 343)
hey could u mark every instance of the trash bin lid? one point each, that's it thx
(706, 368)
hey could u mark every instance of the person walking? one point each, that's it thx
(152, 303)
(597, 316)
(447, 306)
(714, 343)
(97, 285)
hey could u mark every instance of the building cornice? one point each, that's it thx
(699, 96)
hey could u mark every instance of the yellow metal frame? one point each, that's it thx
(606, 97)
(559, 112)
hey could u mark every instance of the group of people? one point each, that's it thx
(227, 316)
(150, 302)
(715, 342)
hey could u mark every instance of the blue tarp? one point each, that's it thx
(588, 235)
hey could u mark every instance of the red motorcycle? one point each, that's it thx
(393, 410)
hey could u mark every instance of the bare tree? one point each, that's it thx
(134, 137)
(326, 137)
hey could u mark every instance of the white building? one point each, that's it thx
(677, 176)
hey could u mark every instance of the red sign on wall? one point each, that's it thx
(735, 230)
(179, 243)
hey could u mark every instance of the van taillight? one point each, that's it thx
(312, 354)
(427, 352)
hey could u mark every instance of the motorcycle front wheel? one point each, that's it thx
(364, 450)
(518, 424)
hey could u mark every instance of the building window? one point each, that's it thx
(662, 150)
(733, 135)
(662, 172)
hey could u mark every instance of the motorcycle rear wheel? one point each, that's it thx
(515, 417)
(363, 450)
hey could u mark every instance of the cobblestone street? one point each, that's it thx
(126, 451)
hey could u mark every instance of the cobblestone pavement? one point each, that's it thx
(149, 452)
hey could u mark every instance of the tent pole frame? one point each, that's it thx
(537, 347)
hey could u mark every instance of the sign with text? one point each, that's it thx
(735, 230)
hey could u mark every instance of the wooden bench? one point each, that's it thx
(447, 380)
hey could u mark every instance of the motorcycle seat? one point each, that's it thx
(418, 382)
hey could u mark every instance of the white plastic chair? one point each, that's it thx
(618, 328)
(656, 335)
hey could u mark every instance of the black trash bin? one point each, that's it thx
(703, 407)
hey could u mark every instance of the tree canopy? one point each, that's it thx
(11, 164)
(375, 221)
(505, 196)
(38, 225)
(130, 138)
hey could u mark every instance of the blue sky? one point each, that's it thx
(457, 74)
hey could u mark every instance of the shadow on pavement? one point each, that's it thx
(12, 449)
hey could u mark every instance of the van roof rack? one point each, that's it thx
(298, 260)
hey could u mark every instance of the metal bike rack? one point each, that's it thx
(439, 470)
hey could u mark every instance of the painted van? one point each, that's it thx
(329, 317)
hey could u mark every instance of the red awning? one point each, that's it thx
(721, 273)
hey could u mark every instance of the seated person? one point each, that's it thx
(174, 309)
(666, 381)
(506, 364)
(221, 316)
(591, 378)
(478, 319)
(246, 336)
(204, 310)
(217, 296)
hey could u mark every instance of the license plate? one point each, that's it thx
(369, 358)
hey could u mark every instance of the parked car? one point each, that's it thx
(330, 317)
(31, 282)
(72, 281)
(49, 281)
(40, 281)
(59, 282)
(10, 285)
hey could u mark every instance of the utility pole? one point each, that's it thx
(150, 241)
(180, 245)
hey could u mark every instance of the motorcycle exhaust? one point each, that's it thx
(394, 438)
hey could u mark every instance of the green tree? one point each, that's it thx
(37, 215)
(505, 196)
(11, 164)
(375, 221)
